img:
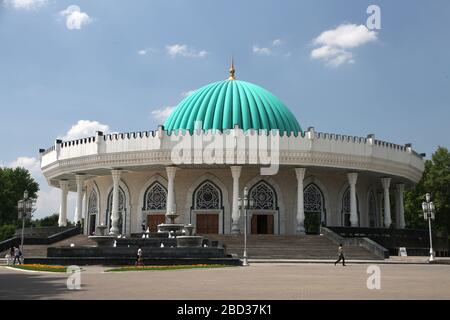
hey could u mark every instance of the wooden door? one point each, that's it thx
(254, 224)
(262, 224)
(153, 220)
(270, 226)
(208, 223)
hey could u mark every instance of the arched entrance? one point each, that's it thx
(314, 207)
(92, 212)
(263, 208)
(154, 206)
(207, 208)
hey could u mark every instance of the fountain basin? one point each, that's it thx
(189, 241)
(168, 227)
(103, 241)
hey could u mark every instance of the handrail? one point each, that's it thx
(364, 242)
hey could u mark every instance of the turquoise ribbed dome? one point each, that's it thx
(224, 104)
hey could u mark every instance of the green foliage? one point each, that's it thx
(50, 221)
(312, 222)
(13, 182)
(436, 181)
(7, 231)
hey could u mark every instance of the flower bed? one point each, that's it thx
(41, 267)
(163, 268)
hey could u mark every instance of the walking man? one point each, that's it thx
(139, 260)
(340, 255)
(17, 255)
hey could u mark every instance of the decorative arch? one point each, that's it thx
(207, 197)
(279, 212)
(314, 203)
(142, 211)
(224, 212)
(325, 194)
(93, 209)
(263, 196)
(124, 208)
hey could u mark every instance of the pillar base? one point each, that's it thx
(235, 229)
(300, 230)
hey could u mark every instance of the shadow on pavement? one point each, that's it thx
(16, 285)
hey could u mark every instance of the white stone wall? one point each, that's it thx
(332, 184)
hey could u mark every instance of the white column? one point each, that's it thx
(64, 186)
(352, 177)
(235, 214)
(386, 182)
(300, 173)
(400, 188)
(115, 203)
(79, 209)
(171, 171)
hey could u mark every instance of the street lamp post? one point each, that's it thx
(25, 208)
(246, 206)
(428, 209)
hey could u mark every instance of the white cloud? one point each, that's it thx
(29, 163)
(145, 51)
(75, 19)
(261, 50)
(334, 45)
(185, 51)
(277, 42)
(163, 113)
(26, 4)
(83, 129)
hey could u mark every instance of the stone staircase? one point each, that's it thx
(289, 247)
(41, 250)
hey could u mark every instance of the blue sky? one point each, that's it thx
(119, 65)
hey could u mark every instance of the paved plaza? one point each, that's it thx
(259, 281)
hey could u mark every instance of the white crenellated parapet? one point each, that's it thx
(232, 147)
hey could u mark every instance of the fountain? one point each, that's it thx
(172, 227)
(190, 240)
(101, 238)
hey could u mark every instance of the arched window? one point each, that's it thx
(207, 197)
(314, 207)
(346, 209)
(93, 203)
(155, 198)
(373, 221)
(92, 212)
(263, 197)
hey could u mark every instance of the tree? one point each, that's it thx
(13, 182)
(436, 181)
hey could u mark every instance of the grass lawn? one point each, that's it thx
(40, 267)
(163, 268)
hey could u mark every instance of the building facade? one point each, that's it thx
(227, 136)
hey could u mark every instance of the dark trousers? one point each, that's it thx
(18, 259)
(341, 257)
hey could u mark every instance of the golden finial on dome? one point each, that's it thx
(231, 77)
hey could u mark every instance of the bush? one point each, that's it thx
(312, 223)
(7, 231)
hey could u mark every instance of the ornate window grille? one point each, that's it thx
(313, 201)
(155, 197)
(121, 200)
(92, 204)
(207, 197)
(263, 196)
